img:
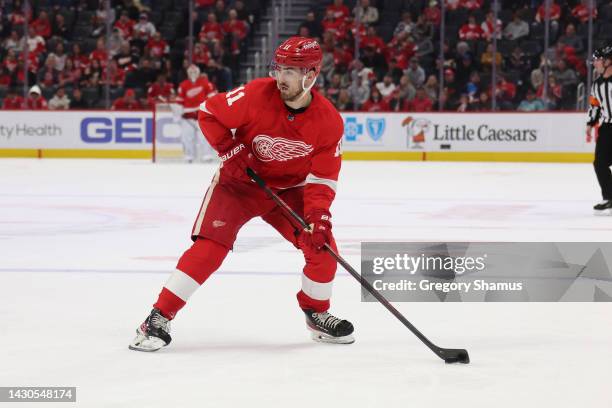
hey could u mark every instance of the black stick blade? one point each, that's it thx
(451, 356)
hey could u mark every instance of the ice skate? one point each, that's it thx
(152, 334)
(603, 208)
(327, 328)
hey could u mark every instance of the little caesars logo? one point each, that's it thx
(419, 130)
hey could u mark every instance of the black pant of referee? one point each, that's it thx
(603, 160)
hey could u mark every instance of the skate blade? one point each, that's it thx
(146, 344)
(326, 338)
(603, 213)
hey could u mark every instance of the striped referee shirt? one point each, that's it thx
(600, 102)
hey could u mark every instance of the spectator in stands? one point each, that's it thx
(570, 39)
(145, 27)
(432, 88)
(531, 103)
(394, 71)
(471, 5)
(92, 74)
(60, 100)
(359, 91)
(464, 103)
(406, 25)
(433, 14)
(60, 56)
(99, 54)
(416, 73)
(375, 103)
(423, 29)
(10, 62)
(331, 24)
(471, 30)
(505, 92)
(339, 10)
(161, 90)
(35, 100)
(69, 75)
(125, 25)
(366, 13)
(490, 28)
(35, 42)
(42, 25)
(13, 42)
(5, 78)
(204, 4)
(48, 71)
(554, 14)
(79, 60)
(313, 26)
(472, 88)
(13, 100)
(487, 58)
(373, 40)
(344, 102)
(420, 103)
(554, 93)
(564, 74)
(581, 11)
(220, 11)
(464, 69)
(211, 29)
(517, 28)
(483, 103)
(406, 89)
(157, 46)
(101, 12)
(385, 87)
(127, 102)
(59, 30)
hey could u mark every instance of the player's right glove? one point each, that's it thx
(235, 161)
(320, 230)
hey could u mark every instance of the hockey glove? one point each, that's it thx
(320, 230)
(235, 161)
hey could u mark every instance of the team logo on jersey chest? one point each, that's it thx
(269, 148)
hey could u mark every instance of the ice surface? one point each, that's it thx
(86, 246)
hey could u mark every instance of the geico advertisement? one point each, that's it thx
(78, 130)
(465, 132)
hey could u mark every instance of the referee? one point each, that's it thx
(601, 109)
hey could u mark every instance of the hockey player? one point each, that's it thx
(600, 102)
(291, 136)
(191, 93)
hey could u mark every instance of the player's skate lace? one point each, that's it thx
(326, 320)
(160, 322)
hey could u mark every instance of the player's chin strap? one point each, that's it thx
(306, 89)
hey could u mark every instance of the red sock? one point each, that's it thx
(193, 268)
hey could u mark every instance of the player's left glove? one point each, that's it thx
(320, 230)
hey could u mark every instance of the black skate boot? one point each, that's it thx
(603, 207)
(329, 329)
(153, 334)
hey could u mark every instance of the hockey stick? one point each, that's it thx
(448, 355)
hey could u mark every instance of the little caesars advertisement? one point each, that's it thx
(466, 132)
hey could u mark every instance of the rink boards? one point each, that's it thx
(528, 137)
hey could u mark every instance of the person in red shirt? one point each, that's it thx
(432, 13)
(201, 54)
(372, 40)
(332, 24)
(471, 30)
(42, 25)
(125, 25)
(291, 136)
(420, 103)
(471, 4)
(555, 12)
(581, 11)
(79, 60)
(191, 93)
(157, 46)
(99, 54)
(35, 100)
(339, 10)
(211, 29)
(127, 102)
(235, 27)
(13, 100)
(161, 90)
(375, 103)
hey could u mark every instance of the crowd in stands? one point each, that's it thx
(379, 55)
(384, 55)
(71, 58)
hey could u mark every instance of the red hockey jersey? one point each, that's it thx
(290, 149)
(192, 94)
